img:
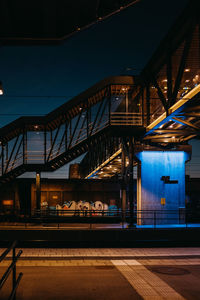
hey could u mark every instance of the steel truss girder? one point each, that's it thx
(83, 133)
(149, 76)
(99, 151)
(184, 122)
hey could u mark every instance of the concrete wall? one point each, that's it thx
(154, 165)
(85, 190)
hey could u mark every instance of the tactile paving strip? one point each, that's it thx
(147, 284)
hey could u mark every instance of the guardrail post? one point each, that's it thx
(131, 183)
(186, 217)
(154, 219)
(14, 273)
(38, 191)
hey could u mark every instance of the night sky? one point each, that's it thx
(37, 79)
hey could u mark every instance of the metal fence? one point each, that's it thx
(154, 218)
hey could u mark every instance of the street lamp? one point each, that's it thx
(1, 88)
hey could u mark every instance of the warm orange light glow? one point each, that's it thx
(7, 202)
(1, 88)
(187, 70)
(124, 89)
(105, 163)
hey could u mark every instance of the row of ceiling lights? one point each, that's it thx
(111, 169)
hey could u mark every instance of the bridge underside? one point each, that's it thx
(50, 22)
(158, 111)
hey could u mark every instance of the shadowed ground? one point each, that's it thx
(74, 283)
(107, 273)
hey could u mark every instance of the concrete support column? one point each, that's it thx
(38, 191)
(161, 186)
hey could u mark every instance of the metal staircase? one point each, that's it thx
(49, 142)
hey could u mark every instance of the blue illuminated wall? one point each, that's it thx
(154, 165)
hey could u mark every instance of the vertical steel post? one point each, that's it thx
(131, 182)
(51, 137)
(6, 152)
(139, 207)
(148, 109)
(38, 191)
(143, 118)
(26, 143)
(126, 101)
(14, 273)
(109, 106)
(123, 186)
(87, 119)
(70, 130)
(45, 144)
(66, 128)
(154, 219)
(169, 80)
(2, 159)
(23, 145)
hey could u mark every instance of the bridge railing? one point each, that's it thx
(125, 119)
(40, 147)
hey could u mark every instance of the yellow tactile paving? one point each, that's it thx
(147, 284)
(110, 252)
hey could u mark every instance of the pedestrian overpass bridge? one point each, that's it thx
(121, 121)
(102, 117)
(159, 108)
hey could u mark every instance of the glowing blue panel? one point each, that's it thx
(154, 165)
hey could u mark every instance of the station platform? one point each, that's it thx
(108, 273)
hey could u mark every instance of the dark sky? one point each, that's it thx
(37, 79)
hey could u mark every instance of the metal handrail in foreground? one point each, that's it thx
(12, 267)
